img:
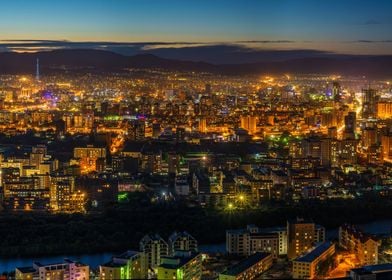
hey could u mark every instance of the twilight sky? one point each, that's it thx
(342, 26)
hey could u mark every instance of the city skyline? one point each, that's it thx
(203, 140)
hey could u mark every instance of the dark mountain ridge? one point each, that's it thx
(103, 61)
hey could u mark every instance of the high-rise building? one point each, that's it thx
(136, 130)
(332, 132)
(369, 137)
(180, 134)
(350, 125)
(386, 144)
(336, 91)
(348, 151)
(249, 123)
(156, 130)
(207, 89)
(37, 76)
(203, 125)
(317, 147)
(369, 98)
(384, 109)
(205, 105)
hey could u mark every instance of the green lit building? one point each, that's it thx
(129, 265)
(184, 265)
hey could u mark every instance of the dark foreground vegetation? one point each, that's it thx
(120, 227)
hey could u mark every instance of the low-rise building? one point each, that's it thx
(25, 273)
(264, 242)
(68, 270)
(251, 240)
(273, 240)
(183, 265)
(112, 270)
(364, 246)
(154, 248)
(307, 266)
(372, 272)
(249, 268)
(282, 238)
(182, 241)
(129, 265)
(237, 242)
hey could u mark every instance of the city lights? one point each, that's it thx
(179, 140)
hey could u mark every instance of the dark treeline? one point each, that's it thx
(120, 227)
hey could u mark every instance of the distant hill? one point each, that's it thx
(98, 61)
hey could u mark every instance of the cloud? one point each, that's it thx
(372, 41)
(244, 51)
(266, 41)
(147, 47)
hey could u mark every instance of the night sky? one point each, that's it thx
(341, 26)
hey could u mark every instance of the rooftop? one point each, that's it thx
(26, 269)
(127, 254)
(177, 261)
(315, 253)
(245, 264)
(377, 268)
(299, 220)
(237, 231)
(113, 264)
(352, 230)
(264, 235)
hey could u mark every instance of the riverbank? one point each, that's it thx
(381, 227)
(37, 234)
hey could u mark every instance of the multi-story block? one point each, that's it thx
(364, 246)
(264, 242)
(129, 265)
(249, 268)
(25, 193)
(305, 267)
(251, 240)
(370, 272)
(90, 158)
(182, 241)
(183, 265)
(68, 270)
(300, 237)
(154, 248)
